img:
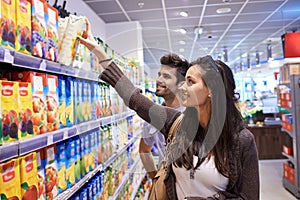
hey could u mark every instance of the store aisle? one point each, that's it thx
(271, 181)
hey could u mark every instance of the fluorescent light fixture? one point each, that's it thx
(182, 42)
(182, 30)
(181, 50)
(223, 10)
(184, 14)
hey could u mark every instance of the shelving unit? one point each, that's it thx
(294, 77)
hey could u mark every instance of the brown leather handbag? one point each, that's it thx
(159, 191)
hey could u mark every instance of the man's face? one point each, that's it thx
(166, 82)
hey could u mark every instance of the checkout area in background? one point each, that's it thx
(263, 119)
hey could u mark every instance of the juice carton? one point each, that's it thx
(62, 26)
(75, 27)
(60, 157)
(40, 160)
(25, 110)
(10, 180)
(52, 25)
(78, 101)
(38, 83)
(10, 109)
(52, 102)
(39, 28)
(71, 160)
(8, 24)
(23, 41)
(62, 101)
(69, 101)
(86, 104)
(51, 172)
(77, 161)
(29, 181)
(83, 151)
(88, 161)
(82, 58)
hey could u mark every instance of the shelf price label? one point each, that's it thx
(8, 57)
(49, 140)
(294, 69)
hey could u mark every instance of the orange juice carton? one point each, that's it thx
(52, 25)
(8, 24)
(40, 160)
(29, 182)
(71, 161)
(52, 102)
(51, 172)
(76, 26)
(25, 110)
(10, 180)
(39, 28)
(10, 110)
(62, 101)
(69, 101)
(23, 41)
(38, 83)
(61, 160)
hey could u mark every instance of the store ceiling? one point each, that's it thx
(248, 28)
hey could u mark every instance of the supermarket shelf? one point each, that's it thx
(288, 132)
(291, 158)
(25, 146)
(290, 187)
(125, 179)
(35, 63)
(136, 187)
(8, 151)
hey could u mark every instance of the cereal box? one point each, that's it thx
(40, 160)
(38, 83)
(29, 182)
(8, 24)
(62, 101)
(61, 160)
(52, 25)
(51, 172)
(23, 41)
(70, 101)
(10, 180)
(25, 110)
(10, 110)
(39, 28)
(52, 102)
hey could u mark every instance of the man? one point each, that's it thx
(171, 74)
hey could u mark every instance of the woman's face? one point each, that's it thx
(194, 91)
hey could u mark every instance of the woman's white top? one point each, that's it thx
(207, 180)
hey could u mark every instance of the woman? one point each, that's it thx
(212, 155)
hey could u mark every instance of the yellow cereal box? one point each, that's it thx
(29, 182)
(10, 180)
(8, 24)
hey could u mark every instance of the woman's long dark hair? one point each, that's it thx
(191, 134)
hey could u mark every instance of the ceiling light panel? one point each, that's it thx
(183, 14)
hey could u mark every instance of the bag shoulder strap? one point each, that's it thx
(174, 128)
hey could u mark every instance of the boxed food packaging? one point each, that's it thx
(52, 102)
(40, 160)
(25, 110)
(38, 83)
(61, 160)
(86, 104)
(52, 34)
(62, 101)
(83, 156)
(29, 181)
(10, 110)
(8, 24)
(10, 180)
(78, 88)
(62, 25)
(82, 58)
(71, 160)
(51, 172)
(78, 159)
(70, 101)
(39, 28)
(23, 41)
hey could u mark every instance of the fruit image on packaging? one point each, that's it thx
(52, 26)
(39, 28)
(61, 160)
(51, 172)
(10, 180)
(10, 110)
(40, 160)
(25, 110)
(29, 182)
(23, 33)
(8, 24)
(52, 103)
(71, 160)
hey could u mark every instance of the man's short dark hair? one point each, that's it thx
(175, 61)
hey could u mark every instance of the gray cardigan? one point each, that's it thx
(243, 156)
